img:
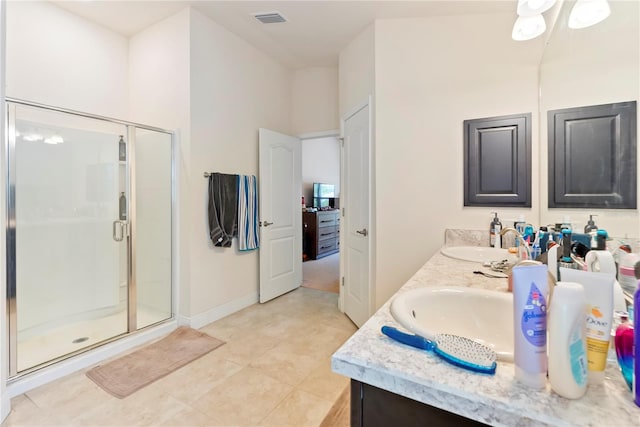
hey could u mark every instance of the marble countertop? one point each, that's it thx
(498, 399)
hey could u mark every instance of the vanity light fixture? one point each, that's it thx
(586, 13)
(534, 7)
(32, 137)
(528, 27)
(54, 139)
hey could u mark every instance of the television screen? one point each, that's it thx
(323, 190)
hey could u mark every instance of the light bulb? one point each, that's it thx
(528, 27)
(534, 7)
(586, 13)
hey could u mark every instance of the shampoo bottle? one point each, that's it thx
(530, 290)
(636, 342)
(567, 348)
(494, 231)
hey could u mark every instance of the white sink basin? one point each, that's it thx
(477, 253)
(482, 315)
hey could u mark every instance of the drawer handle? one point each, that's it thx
(326, 220)
(326, 234)
(324, 247)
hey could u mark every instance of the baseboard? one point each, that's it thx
(203, 319)
(5, 406)
(84, 360)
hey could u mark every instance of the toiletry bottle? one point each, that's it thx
(567, 347)
(122, 149)
(592, 229)
(494, 232)
(519, 225)
(530, 290)
(566, 223)
(636, 345)
(626, 273)
(601, 239)
(123, 207)
(566, 261)
(591, 225)
(624, 349)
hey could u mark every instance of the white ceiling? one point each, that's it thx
(314, 35)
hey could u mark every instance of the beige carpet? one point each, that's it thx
(130, 373)
(322, 274)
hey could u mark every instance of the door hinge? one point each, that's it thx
(342, 281)
(343, 212)
(341, 139)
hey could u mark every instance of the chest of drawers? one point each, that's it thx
(322, 233)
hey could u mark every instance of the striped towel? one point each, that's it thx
(248, 233)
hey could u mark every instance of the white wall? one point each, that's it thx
(59, 59)
(314, 100)
(429, 77)
(356, 72)
(591, 66)
(235, 89)
(159, 81)
(320, 163)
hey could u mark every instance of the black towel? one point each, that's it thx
(223, 208)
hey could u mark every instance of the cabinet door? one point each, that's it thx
(497, 158)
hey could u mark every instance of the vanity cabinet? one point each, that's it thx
(372, 406)
(322, 233)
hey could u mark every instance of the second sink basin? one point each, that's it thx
(482, 315)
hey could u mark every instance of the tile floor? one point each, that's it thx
(274, 370)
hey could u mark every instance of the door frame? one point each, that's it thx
(371, 218)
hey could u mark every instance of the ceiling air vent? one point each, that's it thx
(270, 17)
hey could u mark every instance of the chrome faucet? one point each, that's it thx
(518, 236)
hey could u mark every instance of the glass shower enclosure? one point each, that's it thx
(89, 231)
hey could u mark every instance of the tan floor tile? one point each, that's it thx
(192, 418)
(194, 380)
(285, 363)
(243, 350)
(288, 340)
(323, 382)
(146, 407)
(243, 399)
(25, 413)
(298, 409)
(76, 393)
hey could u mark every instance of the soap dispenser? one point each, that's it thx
(494, 232)
(592, 229)
(591, 226)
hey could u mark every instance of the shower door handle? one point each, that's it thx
(118, 237)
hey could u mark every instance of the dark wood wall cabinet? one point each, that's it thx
(372, 406)
(497, 161)
(321, 233)
(592, 157)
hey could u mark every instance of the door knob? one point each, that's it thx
(266, 223)
(363, 231)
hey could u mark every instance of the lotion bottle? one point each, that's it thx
(530, 290)
(494, 231)
(567, 348)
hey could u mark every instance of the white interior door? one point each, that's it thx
(280, 214)
(357, 290)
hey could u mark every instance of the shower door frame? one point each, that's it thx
(11, 274)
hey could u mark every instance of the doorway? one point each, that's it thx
(321, 212)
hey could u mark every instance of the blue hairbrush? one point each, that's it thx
(459, 351)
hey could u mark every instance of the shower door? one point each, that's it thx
(68, 218)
